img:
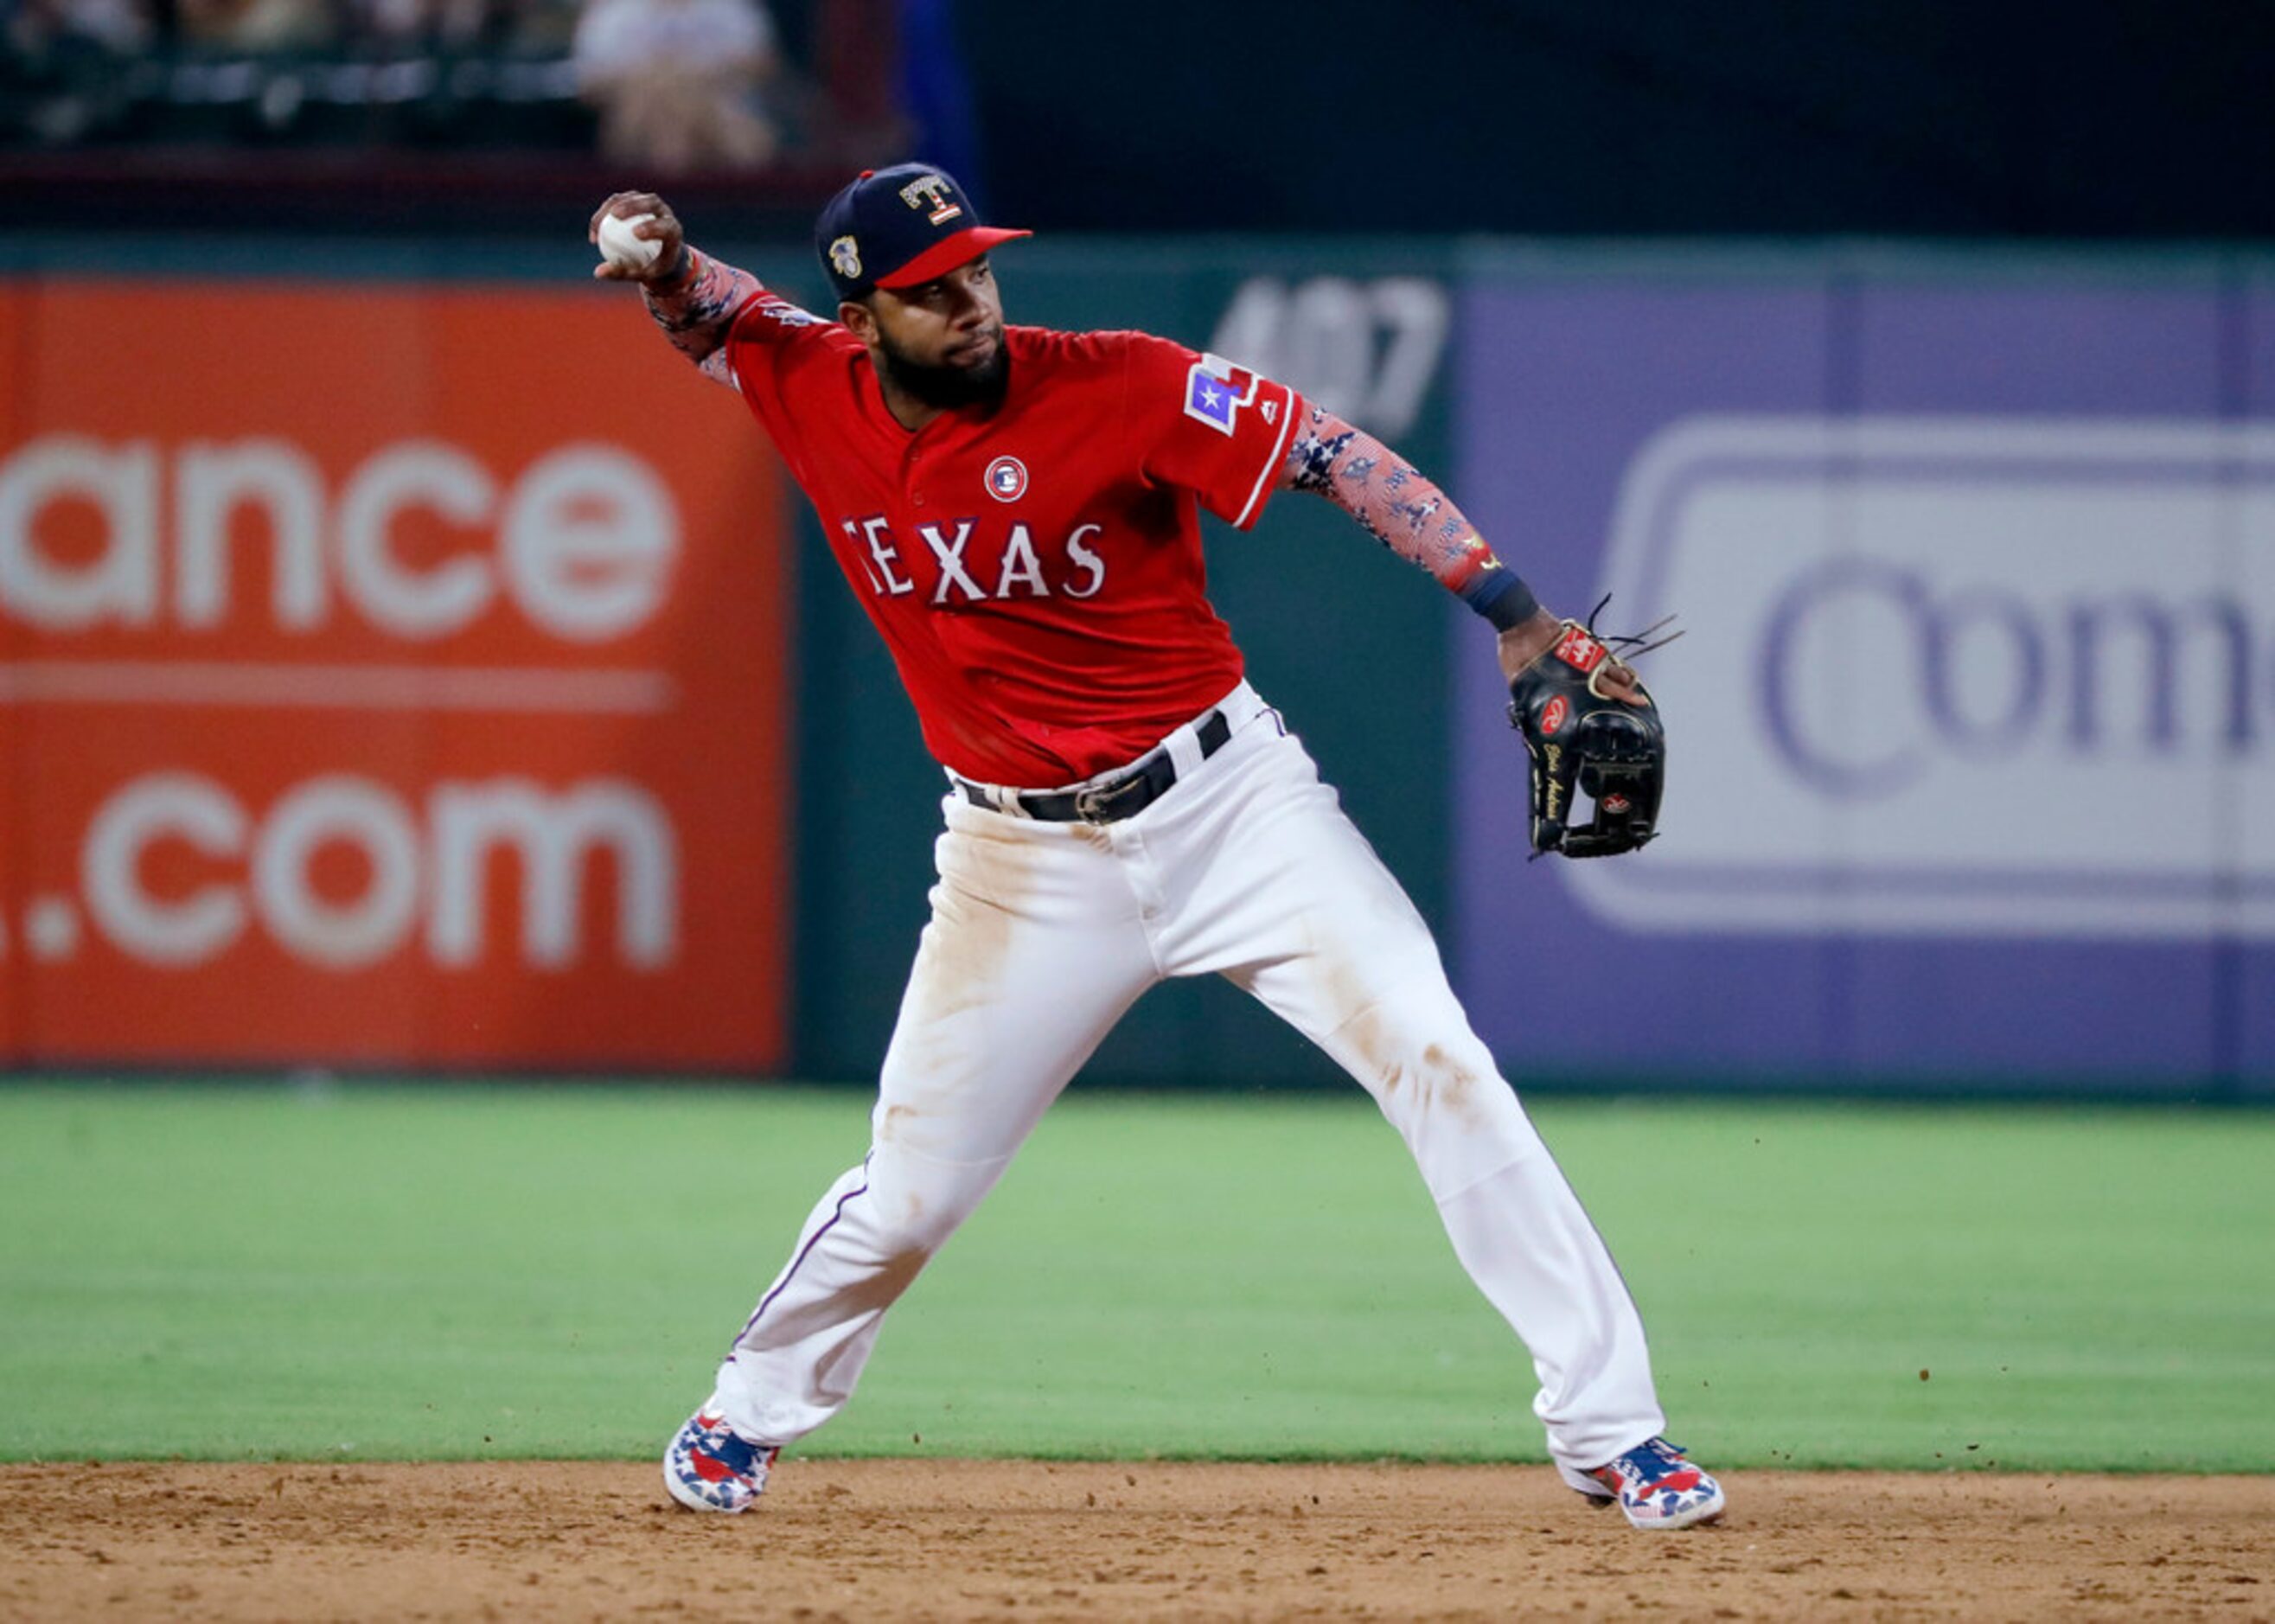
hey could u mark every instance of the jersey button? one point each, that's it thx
(920, 501)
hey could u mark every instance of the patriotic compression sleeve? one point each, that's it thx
(1399, 506)
(698, 308)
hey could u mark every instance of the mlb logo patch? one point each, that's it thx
(1007, 478)
(1215, 390)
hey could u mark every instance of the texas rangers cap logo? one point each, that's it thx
(1007, 478)
(928, 194)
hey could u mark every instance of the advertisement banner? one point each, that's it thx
(390, 674)
(1972, 766)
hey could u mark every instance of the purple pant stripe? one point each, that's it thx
(803, 1253)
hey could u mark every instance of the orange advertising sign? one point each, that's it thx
(389, 674)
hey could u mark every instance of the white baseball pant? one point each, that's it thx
(1042, 934)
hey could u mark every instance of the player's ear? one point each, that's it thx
(858, 320)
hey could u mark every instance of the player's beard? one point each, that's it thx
(946, 386)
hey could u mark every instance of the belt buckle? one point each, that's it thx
(1095, 806)
(1091, 806)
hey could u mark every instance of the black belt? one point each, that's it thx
(1117, 799)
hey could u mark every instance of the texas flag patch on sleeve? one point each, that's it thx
(1215, 390)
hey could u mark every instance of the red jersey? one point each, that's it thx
(1035, 569)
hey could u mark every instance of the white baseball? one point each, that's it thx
(620, 248)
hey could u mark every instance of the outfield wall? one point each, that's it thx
(406, 661)
(387, 676)
(1975, 723)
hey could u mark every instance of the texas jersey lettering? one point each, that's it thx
(1014, 567)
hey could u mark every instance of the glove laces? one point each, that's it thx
(1627, 648)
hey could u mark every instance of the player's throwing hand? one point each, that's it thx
(662, 229)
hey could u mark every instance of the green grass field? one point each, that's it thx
(517, 1271)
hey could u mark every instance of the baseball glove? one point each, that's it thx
(1580, 739)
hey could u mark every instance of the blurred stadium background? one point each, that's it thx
(409, 668)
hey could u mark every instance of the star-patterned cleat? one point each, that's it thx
(708, 1468)
(1657, 1487)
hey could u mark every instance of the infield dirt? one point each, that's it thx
(952, 1540)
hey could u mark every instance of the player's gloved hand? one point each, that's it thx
(1591, 729)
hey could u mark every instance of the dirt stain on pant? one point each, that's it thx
(976, 906)
(883, 1287)
(1453, 1086)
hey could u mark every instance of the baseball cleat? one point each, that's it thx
(708, 1468)
(1657, 1487)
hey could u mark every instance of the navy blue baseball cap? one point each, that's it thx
(900, 228)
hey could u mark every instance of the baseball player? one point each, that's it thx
(1017, 511)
